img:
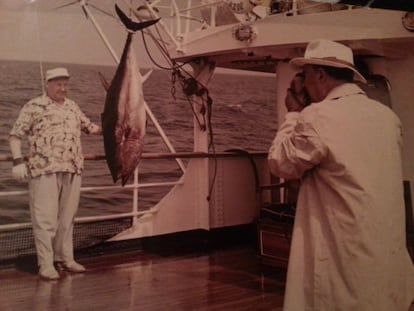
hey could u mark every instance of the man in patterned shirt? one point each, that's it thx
(52, 124)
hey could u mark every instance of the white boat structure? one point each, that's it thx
(260, 37)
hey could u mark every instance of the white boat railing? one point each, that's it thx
(135, 186)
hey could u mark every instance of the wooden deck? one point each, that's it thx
(226, 279)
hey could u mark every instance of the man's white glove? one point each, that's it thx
(19, 172)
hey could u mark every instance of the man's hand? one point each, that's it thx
(95, 129)
(19, 172)
(296, 97)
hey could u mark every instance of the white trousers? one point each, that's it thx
(54, 200)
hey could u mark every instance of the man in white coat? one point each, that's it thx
(348, 248)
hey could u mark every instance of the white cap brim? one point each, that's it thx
(57, 73)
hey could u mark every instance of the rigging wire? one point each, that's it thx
(191, 86)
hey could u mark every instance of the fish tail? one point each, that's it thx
(130, 24)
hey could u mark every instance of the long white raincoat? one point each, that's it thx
(348, 248)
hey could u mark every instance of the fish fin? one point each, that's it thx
(104, 82)
(124, 180)
(115, 177)
(146, 75)
(130, 24)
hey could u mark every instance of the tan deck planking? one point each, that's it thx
(229, 279)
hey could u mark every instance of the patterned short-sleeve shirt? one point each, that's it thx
(53, 131)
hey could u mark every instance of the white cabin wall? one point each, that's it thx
(234, 200)
(400, 74)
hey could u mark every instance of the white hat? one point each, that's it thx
(57, 73)
(328, 53)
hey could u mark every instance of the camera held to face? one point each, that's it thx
(297, 97)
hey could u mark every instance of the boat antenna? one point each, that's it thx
(39, 47)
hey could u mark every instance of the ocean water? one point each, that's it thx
(243, 117)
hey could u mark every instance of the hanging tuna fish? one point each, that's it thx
(124, 116)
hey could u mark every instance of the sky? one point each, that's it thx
(40, 31)
(58, 31)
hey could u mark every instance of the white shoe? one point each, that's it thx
(73, 266)
(48, 273)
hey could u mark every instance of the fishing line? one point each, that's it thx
(157, 41)
(191, 103)
(176, 71)
(211, 143)
(189, 85)
(164, 51)
(174, 66)
(166, 56)
(160, 43)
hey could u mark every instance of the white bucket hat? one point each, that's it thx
(57, 73)
(328, 53)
